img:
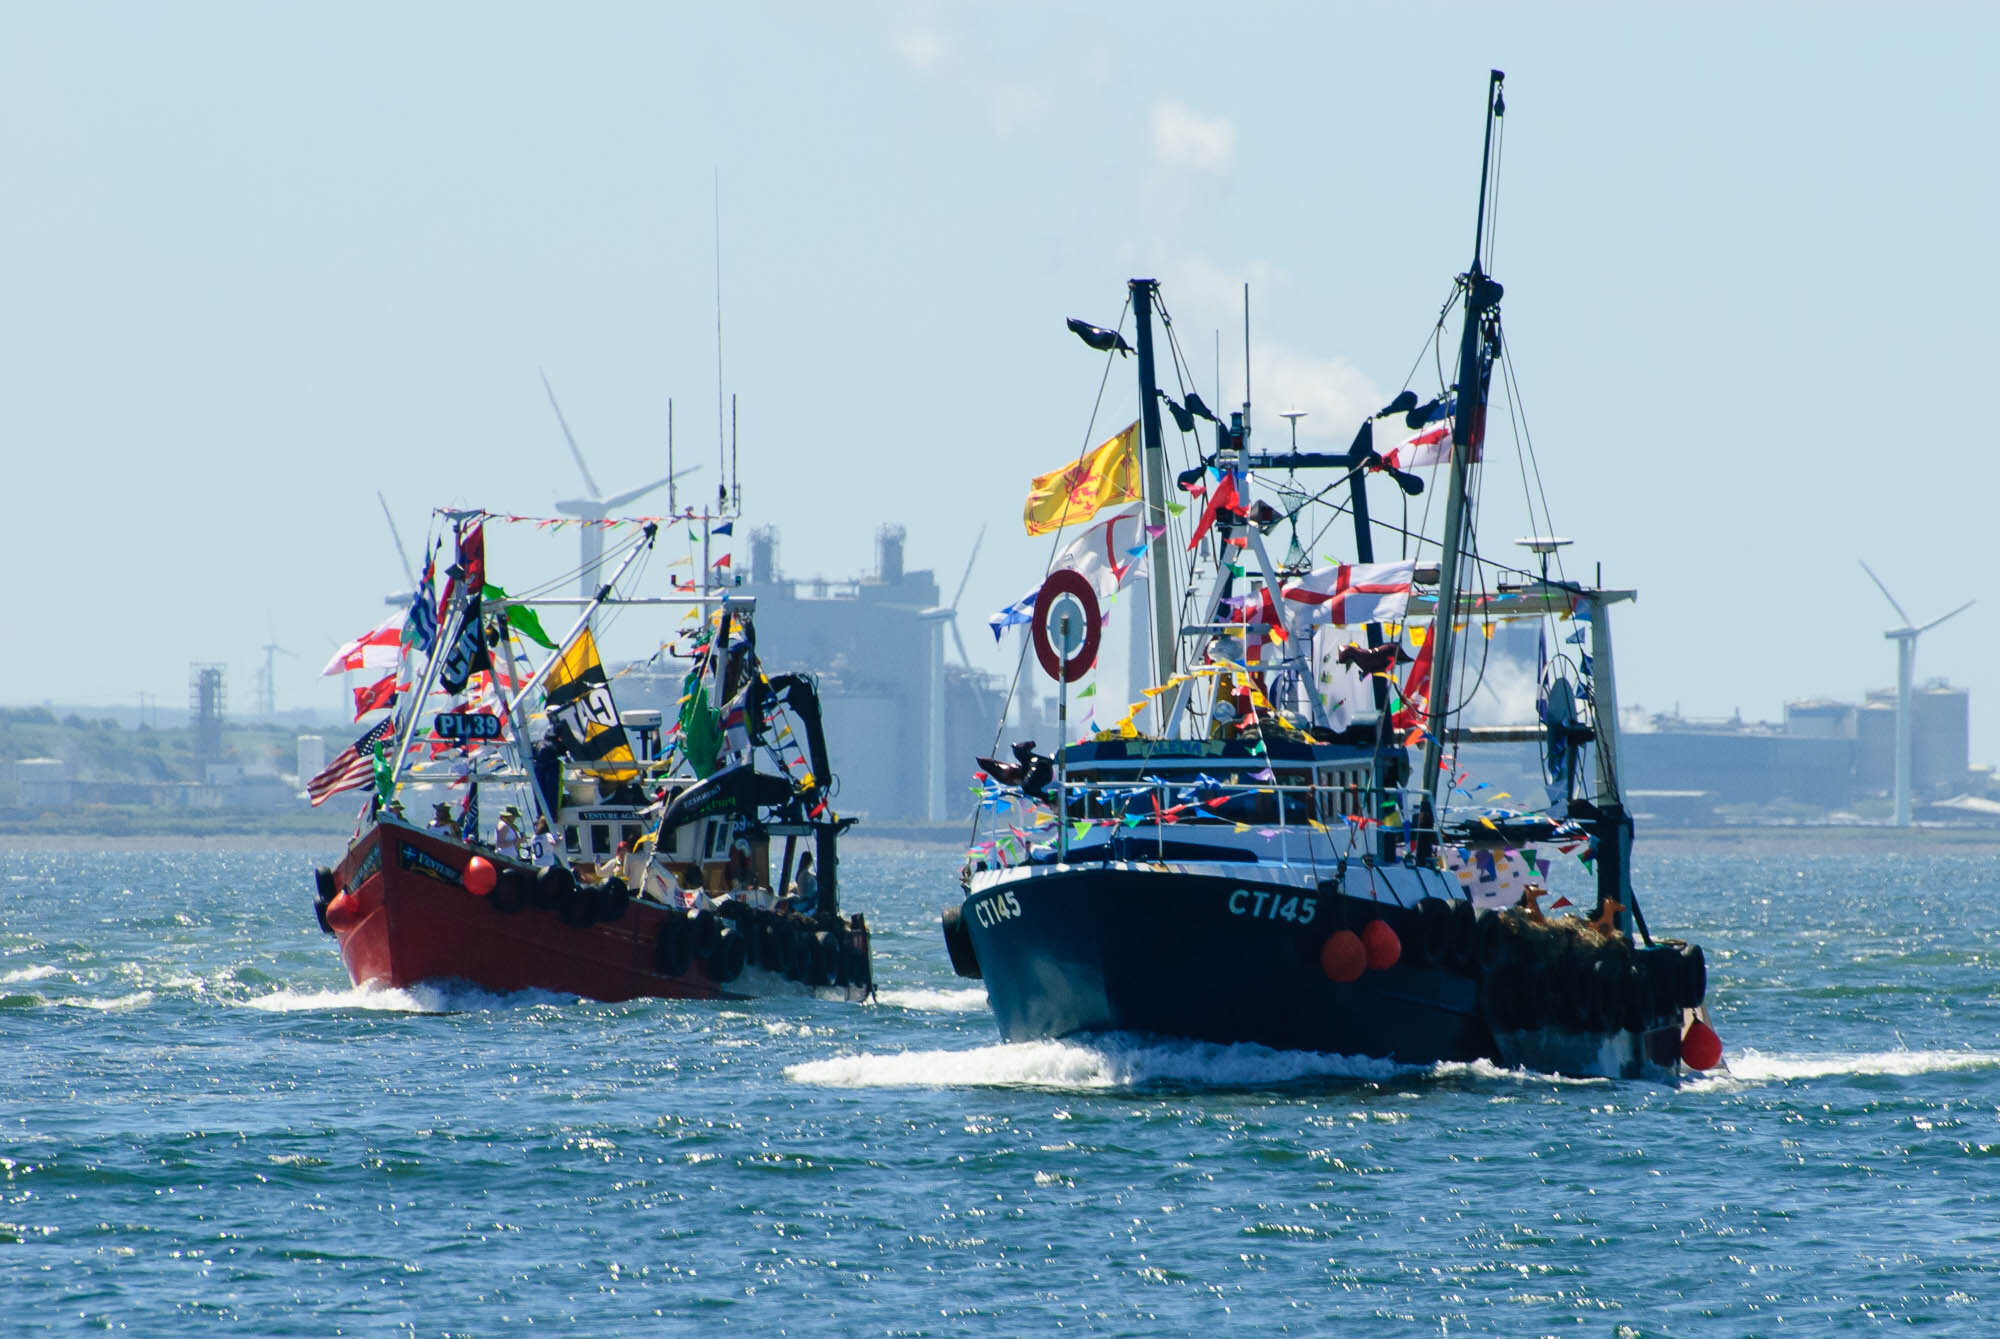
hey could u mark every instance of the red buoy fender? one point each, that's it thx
(1701, 1049)
(479, 876)
(343, 910)
(1343, 957)
(1379, 939)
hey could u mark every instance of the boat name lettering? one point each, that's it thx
(1002, 906)
(423, 862)
(604, 815)
(369, 864)
(1273, 906)
(466, 725)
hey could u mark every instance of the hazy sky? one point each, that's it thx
(264, 260)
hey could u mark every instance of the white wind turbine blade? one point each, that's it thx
(570, 437)
(612, 504)
(959, 594)
(1907, 620)
(397, 535)
(1953, 614)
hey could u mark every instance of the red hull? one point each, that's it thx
(403, 915)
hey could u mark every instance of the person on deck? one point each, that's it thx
(548, 771)
(443, 823)
(507, 833)
(803, 896)
(542, 846)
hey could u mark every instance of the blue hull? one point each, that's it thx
(1224, 956)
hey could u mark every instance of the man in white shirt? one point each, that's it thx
(542, 846)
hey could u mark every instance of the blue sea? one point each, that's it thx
(204, 1129)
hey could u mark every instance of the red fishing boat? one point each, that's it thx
(648, 870)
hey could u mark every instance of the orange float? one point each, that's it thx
(1343, 957)
(480, 876)
(1382, 945)
(1701, 1049)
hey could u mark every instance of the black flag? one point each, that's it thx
(1097, 337)
(468, 654)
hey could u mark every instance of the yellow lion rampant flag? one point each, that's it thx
(1106, 475)
(583, 715)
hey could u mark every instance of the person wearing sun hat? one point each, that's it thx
(507, 832)
(443, 823)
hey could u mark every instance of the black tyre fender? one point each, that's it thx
(673, 951)
(1632, 994)
(579, 909)
(958, 944)
(767, 951)
(701, 932)
(1607, 990)
(553, 885)
(1490, 940)
(1693, 976)
(325, 890)
(784, 955)
(1464, 930)
(1430, 931)
(511, 891)
(825, 957)
(725, 959)
(1571, 986)
(801, 935)
(854, 964)
(613, 901)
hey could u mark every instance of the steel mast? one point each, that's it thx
(1482, 298)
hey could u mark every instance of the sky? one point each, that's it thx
(265, 261)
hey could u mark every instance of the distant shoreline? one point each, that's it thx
(904, 837)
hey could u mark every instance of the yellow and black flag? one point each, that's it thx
(583, 715)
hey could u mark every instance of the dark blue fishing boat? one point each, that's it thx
(1264, 849)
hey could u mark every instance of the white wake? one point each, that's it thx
(935, 1001)
(423, 998)
(1107, 1064)
(1755, 1066)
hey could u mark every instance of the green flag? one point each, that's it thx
(522, 619)
(385, 785)
(701, 730)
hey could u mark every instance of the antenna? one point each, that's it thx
(1292, 416)
(1246, 361)
(673, 501)
(721, 464)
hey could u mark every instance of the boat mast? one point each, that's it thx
(1482, 296)
(1165, 634)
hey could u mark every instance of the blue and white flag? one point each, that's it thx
(420, 624)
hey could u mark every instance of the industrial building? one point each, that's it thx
(903, 718)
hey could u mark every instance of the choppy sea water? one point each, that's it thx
(205, 1129)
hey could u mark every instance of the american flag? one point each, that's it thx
(354, 767)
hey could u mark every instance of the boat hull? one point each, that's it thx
(402, 914)
(1233, 955)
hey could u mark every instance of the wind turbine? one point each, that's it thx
(595, 507)
(267, 678)
(400, 599)
(1905, 638)
(940, 617)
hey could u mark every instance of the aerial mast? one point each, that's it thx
(1158, 578)
(1482, 298)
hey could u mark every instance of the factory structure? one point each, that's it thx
(1825, 756)
(904, 715)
